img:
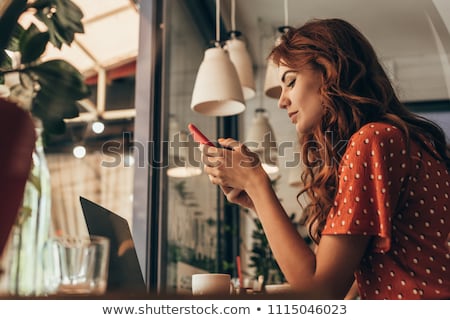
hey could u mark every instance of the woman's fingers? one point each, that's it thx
(233, 194)
(225, 189)
(216, 180)
(211, 151)
(217, 177)
(251, 159)
(229, 143)
(213, 174)
(211, 156)
(211, 161)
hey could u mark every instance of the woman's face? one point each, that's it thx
(301, 98)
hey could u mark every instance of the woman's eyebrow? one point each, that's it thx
(283, 77)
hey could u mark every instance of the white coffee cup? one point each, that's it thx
(211, 284)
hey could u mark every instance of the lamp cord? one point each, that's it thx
(286, 12)
(217, 22)
(233, 15)
(261, 50)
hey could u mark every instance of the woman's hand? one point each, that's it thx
(238, 196)
(233, 166)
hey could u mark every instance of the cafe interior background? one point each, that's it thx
(141, 60)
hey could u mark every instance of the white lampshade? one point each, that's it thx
(217, 90)
(261, 140)
(260, 136)
(241, 59)
(272, 83)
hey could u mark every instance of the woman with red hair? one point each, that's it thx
(376, 176)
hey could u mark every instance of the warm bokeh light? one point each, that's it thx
(79, 152)
(98, 127)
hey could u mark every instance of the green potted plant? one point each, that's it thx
(48, 91)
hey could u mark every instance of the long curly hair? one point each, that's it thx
(355, 90)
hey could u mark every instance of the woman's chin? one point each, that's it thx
(301, 128)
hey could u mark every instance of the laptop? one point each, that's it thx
(125, 275)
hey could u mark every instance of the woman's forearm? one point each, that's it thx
(293, 255)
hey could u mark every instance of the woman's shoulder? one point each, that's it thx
(379, 132)
(378, 138)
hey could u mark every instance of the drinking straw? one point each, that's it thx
(239, 271)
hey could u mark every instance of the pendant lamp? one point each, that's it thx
(272, 83)
(241, 60)
(261, 140)
(240, 57)
(217, 90)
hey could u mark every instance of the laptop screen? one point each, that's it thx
(124, 274)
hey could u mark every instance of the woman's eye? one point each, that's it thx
(291, 83)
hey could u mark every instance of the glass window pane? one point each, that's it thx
(192, 200)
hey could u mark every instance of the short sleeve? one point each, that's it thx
(371, 177)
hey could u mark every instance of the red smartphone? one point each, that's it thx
(199, 136)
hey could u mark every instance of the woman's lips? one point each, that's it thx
(293, 116)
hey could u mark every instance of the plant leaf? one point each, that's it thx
(61, 79)
(54, 126)
(17, 33)
(63, 23)
(52, 120)
(41, 4)
(61, 86)
(55, 38)
(45, 103)
(8, 21)
(69, 16)
(5, 63)
(32, 44)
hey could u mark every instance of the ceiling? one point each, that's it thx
(411, 37)
(110, 38)
(394, 27)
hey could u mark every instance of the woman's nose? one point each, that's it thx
(283, 101)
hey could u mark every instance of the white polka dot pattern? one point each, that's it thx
(401, 198)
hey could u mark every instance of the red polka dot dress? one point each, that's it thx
(401, 198)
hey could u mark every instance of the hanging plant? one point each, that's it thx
(48, 89)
